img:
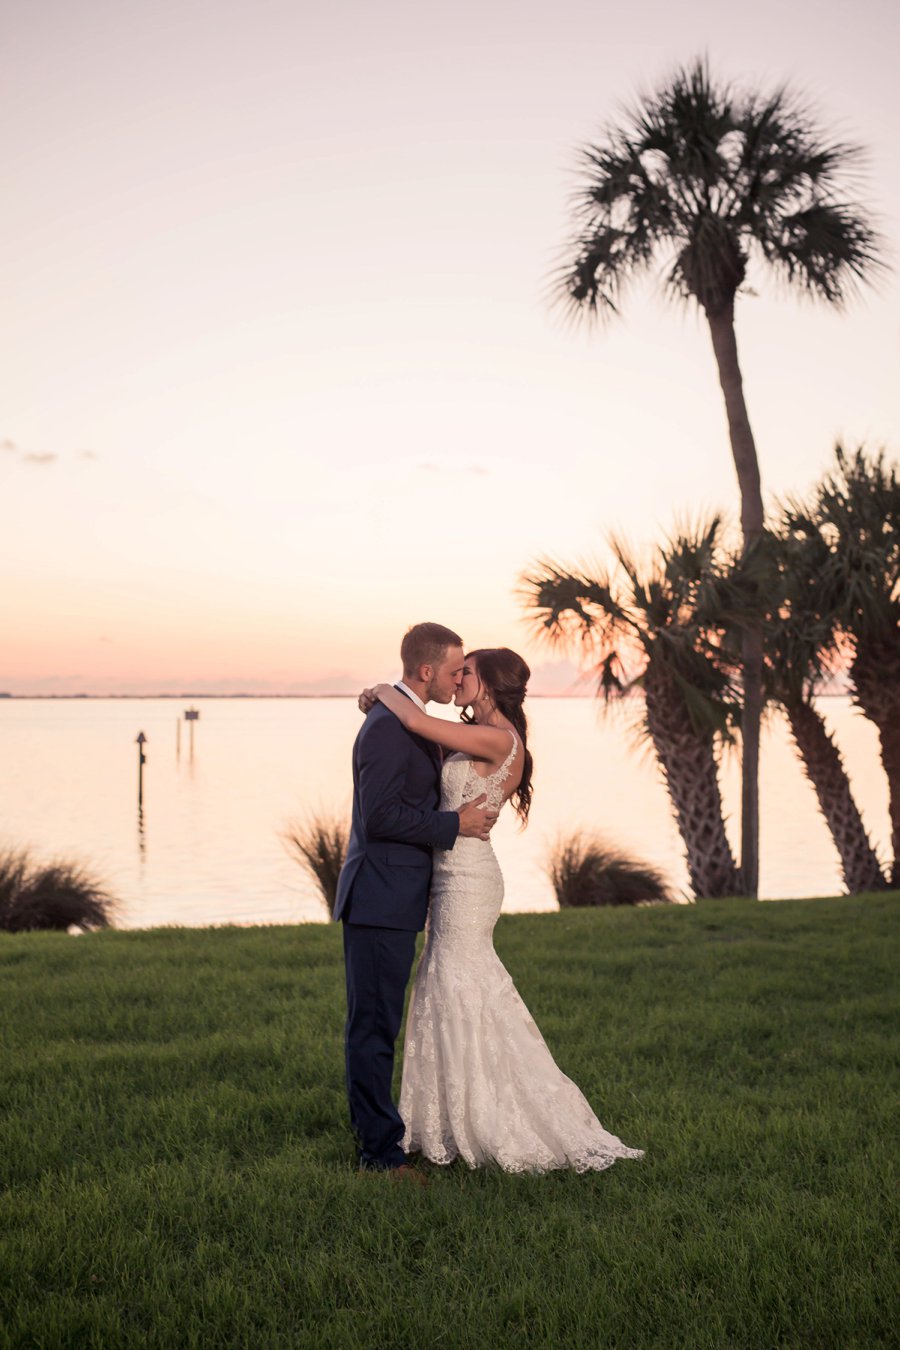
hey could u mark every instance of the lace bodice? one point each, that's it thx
(461, 783)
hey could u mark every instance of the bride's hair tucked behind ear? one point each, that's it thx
(504, 676)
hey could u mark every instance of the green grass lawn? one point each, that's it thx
(177, 1169)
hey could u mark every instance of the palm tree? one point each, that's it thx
(653, 621)
(849, 528)
(704, 180)
(800, 653)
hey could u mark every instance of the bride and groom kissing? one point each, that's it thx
(479, 1082)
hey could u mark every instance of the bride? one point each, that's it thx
(478, 1079)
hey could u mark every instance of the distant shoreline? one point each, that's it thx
(81, 698)
(19, 698)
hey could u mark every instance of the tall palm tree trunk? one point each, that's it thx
(876, 682)
(692, 778)
(743, 450)
(825, 770)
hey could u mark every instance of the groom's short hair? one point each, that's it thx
(425, 645)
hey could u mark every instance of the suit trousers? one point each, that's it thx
(377, 963)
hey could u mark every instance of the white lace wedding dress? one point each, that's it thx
(478, 1079)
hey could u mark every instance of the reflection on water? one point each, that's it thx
(207, 847)
(142, 836)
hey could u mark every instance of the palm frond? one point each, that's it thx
(565, 603)
(612, 682)
(708, 713)
(824, 247)
(848, 532)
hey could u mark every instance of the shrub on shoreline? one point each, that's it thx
(586, 872)
(318, 842)
(56, 895)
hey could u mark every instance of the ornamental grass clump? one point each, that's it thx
(585, 872)
(318, 843)
(56, 895)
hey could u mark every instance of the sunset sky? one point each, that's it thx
(279, 372)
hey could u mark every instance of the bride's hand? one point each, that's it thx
(367, 700)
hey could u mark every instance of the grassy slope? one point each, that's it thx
(180, 1173)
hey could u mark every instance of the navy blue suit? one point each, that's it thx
(382, 899)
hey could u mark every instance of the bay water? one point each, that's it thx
(206, 848)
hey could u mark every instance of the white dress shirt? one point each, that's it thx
(411, 694)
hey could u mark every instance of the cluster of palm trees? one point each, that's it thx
(710, 186)
(838, 558)
(822, 588)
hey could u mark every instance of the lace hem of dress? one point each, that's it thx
(592, 1161)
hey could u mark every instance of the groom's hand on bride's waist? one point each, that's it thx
(476, 818)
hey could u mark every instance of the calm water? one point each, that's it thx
(207, 849)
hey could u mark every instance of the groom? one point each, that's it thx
(382, 894)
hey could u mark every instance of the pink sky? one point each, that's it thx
(278, 372)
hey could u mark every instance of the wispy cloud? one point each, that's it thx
(41, 456)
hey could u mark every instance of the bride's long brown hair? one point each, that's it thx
(504, 677)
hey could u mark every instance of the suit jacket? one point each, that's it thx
(386, 875)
